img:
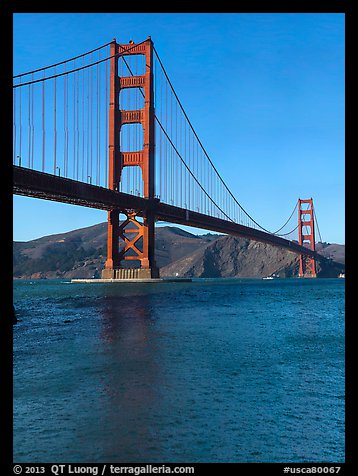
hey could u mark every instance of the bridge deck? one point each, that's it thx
(37, 184)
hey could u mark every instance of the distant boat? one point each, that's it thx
(272, 276)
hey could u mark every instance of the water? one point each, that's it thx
(230, 370)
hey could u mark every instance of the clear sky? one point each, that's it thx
(265, 93)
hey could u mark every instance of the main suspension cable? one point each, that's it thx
(61, 62)
(206, 154)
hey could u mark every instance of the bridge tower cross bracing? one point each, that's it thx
(136, 233)
(306, 237)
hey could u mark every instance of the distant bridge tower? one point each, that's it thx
(137, 234)
(306, 237)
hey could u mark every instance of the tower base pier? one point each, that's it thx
(130, 273)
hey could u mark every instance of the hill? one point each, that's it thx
(81, 254)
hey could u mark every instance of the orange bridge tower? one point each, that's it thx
(137, 230)
(306, 237)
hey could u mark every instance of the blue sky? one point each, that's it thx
(265, 93)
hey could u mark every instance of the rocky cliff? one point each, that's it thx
(81, 254)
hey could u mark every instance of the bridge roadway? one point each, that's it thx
(32, 183)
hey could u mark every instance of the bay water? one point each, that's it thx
(226, 370)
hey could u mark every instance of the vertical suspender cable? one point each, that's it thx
(20, 116)
(176, 145)
(88, 126)
(74, 145)
(166, 144)
(29, 124)
(43, 125)
(171, 149)
(180, 164)
(14, 126)
(77, 124)
(161, 151)
(189, 165)
(54, 125)
(74, 165)
(33, 125)
(83, 121)
(65, 128)
(156, 150)
(98, 125)
(185, 184)
(91, 123)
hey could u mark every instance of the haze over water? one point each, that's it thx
(229, 370)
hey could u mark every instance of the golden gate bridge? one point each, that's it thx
(106, 129)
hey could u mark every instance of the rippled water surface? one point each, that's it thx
(209, 371)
